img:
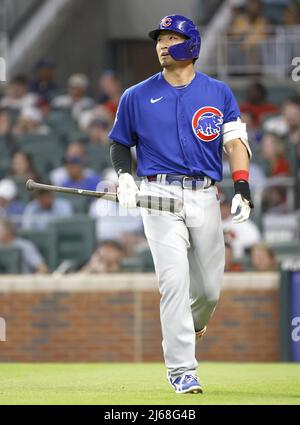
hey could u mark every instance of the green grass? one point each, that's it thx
(145, 383)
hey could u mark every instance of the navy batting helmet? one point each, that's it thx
(190, 48)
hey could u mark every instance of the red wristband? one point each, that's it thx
(240, 175)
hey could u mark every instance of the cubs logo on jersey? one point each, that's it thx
(207, 123)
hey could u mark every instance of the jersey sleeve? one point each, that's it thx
(231, 109)
(123, 128)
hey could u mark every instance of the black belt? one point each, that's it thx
(186, 182)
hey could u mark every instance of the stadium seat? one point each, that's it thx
(75, 238)
(62, 121)
(80, 204)
(46, 155)
(10, 260)
(23, 195)
(285, 249)
(4, 166)
(131, 265)
(45, 241)
(144, 258)
(98, 157)
(39, 139)
(13, 115)
(76, 136)
(274, 12)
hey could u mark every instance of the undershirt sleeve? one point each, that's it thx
(120, 157)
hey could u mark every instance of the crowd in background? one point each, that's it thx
(59, 135)
(262, 36)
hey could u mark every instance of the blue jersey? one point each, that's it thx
(176, 130)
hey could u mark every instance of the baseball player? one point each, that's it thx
(180, 120)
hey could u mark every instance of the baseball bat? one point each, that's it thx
(159, 203)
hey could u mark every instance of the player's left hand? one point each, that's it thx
(241, 203)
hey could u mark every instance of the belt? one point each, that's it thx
(187, 182)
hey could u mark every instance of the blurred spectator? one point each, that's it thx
(99, 111)
(76, 176)
(44, 106)
(32, 261)
(292, 13)
(241, 236)
(112, 220)
(256, 103)
(230, 264)
(5, 124)
(254, 133)
(249, 29)
(60, 174)
(263, 258)
(131, 240)
(76, 100)
(107, 258)
(17, 95)
(274, 200)
(98, 131)
(287, 124)
(273, 152)
(9, 206)
(291, 115)
(109, 90)
(30, 121)
(45, 208)
(22, 166)
(43, 82)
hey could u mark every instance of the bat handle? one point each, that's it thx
(30, 184)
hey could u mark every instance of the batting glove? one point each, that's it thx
(127, 191)
(241, 203)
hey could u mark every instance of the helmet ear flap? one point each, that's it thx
(184, 51)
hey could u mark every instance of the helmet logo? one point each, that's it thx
(207, 122)
(166, 22)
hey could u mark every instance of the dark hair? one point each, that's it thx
(20, 79)
(29, 160)
(295, 99)
(260, 87)
(112, 243)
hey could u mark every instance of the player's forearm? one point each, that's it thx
(120, 157)
(238, 155)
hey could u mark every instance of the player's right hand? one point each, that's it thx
(127, 191)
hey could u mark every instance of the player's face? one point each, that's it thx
(164, 40)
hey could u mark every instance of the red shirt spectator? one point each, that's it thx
(273, 152)
(256, 103)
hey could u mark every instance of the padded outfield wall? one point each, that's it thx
(81, 318)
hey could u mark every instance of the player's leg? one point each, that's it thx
(206, 259)
(168, 239)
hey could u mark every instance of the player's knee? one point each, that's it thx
(212, 296)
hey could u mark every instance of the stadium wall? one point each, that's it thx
(80, 318)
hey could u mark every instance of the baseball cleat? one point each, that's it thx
(200, 334)
(186, 384)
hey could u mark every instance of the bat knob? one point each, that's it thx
(30, 184)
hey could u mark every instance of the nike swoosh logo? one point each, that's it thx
(155, 100)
